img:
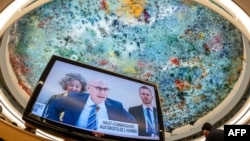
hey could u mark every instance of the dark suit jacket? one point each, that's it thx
(215, 135)
(137, 112)
(73, 104)
(52, 98)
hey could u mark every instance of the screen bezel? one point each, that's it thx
(68, 131)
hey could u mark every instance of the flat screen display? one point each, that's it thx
(79, 101)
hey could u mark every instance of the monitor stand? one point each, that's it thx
(30, 128)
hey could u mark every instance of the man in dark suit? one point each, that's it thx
(211, 133)
(77, 107)
(145, 114)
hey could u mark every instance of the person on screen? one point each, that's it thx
(212, 134)
(146, 114)
(71, 82)
(78, 107)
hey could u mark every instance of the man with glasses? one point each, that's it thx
(83, 110)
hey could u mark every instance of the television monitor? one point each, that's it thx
(122, 90)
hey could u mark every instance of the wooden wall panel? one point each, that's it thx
(244, 4)
(4, 4)
(10, 132)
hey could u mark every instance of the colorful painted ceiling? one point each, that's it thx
(192, 53)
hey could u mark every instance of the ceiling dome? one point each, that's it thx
(195, 55)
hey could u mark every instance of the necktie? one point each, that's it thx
(149, 122)
(92, 118)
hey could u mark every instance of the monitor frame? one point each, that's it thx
(69, 131)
